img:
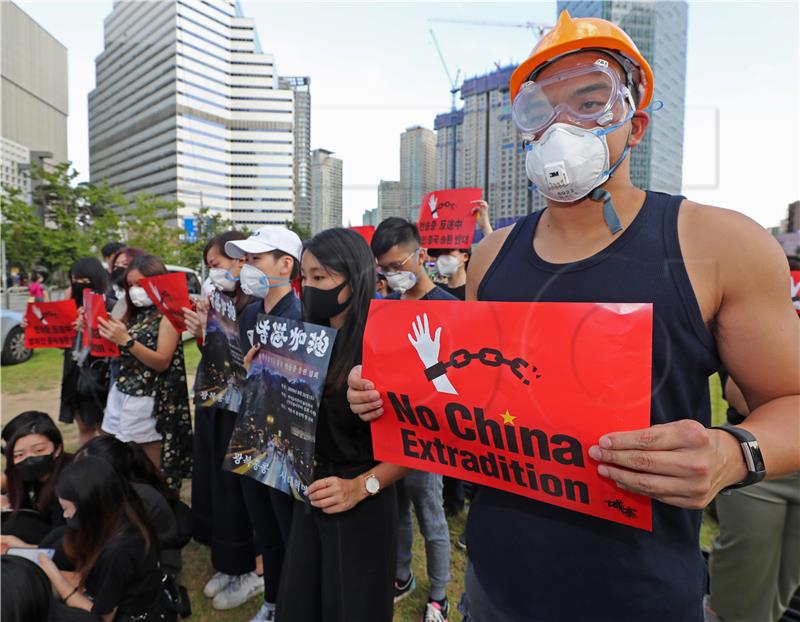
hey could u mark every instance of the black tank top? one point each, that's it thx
(545, 563)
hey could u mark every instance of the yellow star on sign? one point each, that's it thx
(508, 418)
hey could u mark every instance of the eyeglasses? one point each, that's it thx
(396, 266)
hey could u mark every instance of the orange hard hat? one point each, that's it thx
(573, 35)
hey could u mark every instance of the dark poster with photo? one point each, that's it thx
(220, 376)
(274, 436)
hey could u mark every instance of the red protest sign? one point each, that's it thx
(94, 308)
(170, 294)
(50, 324)
(446, 219)
(795, 290)
(512, 395)
(366, 231)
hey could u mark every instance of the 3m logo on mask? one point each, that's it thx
(556, 175)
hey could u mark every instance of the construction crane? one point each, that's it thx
(454, 86)
(533, 26)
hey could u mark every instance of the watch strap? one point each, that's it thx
(753, 460)
(128, 344)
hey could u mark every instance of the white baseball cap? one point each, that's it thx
(264, 240)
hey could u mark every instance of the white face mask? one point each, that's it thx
(223, 279)
(401, 281)
(568, 162)
(256, 283)
(447, 265)
(139, 297)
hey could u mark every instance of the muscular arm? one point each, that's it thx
(756, 328)
(740, 279)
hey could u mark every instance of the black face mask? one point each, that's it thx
(33, 468)
(73, 522)
(320, 305)
(116, 275)
(77, 292)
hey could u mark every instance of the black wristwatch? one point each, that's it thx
(128, 344)
(752, 456)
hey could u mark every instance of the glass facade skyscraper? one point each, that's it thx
(187, 107)
(659, 30)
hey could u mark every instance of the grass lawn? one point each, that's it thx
(43, 372)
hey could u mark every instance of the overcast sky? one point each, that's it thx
(374, 72)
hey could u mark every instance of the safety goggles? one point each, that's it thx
(588, 96)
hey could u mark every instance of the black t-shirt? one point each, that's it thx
(437, 293)
(158, 511)
(125, 576)
(289, 307)
(459, 292)
(342, 438)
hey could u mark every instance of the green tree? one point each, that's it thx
(304, 233)
(146, 226)
(206, 227)
(64, 222)
(22, 231)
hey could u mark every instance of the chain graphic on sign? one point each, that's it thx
(427, 348)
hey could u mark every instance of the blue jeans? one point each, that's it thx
(424, 490)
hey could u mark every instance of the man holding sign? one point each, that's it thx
(580, 102)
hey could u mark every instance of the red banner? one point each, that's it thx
(366, 231)
(170, 294)
(795, 290)
(446, 219)
(512, 395)
(50, 324)
(94, 308)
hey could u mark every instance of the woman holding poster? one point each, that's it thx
(339, 563)
(149, 402)
(84, 380)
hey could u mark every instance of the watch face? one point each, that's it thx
(373, 485)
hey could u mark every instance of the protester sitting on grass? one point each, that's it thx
(111, 545)
(34, 451)
(28, 596)
(161, 505)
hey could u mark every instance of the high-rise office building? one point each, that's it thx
(188, 107)
(390, 200)
(301, 85)
(371, 217)
(417, 168)
(659, 30)
(326, 191)
(478, 146)
(33, 97)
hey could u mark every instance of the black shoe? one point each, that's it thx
(452, 511)
(404, 588)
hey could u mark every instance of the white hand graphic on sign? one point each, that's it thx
(432, 205)
(428, 351)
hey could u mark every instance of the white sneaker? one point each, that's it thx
(216, 584)
(241, 589)
(265, 614)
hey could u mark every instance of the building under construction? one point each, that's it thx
(478, 146)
